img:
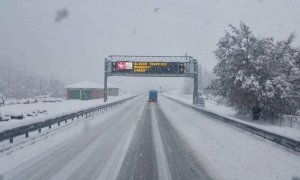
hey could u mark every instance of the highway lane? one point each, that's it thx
(141, 161)
(183, 164)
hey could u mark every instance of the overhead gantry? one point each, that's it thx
(152, 66)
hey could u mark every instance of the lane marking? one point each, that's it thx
(162, 164)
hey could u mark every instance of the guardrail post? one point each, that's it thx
(40, 129)
(49, 126)
(66, 120)
(291, 121)
(58, 123)
(11, 139)
(26, 135)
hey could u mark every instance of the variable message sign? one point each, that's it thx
(147, 67)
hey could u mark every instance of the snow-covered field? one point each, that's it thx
(54, 109)
(212, 106)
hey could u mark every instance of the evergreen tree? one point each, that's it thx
(254, 74)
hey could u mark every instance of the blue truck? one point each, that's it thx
(152, 96)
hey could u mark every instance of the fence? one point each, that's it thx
(289, 121)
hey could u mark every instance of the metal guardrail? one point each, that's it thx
(281, 140)
(25, 130)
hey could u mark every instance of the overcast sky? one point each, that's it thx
(69, 39)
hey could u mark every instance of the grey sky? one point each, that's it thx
(74, 49)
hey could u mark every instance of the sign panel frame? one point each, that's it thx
(152, 66)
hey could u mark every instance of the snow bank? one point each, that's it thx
(228, 112)
(54, 109)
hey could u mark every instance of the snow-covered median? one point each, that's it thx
(228, 112)
(53, 110)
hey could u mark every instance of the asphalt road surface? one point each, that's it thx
(134, 141)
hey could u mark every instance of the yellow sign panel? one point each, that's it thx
(148, 67)
(141, 67)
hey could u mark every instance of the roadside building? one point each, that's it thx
(89, 90)
(84, 91)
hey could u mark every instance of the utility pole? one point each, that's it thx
(105, 80)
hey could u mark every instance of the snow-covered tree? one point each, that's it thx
(16, 82)
(254, 74)
(298, 59)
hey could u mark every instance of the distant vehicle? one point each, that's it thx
(152, 96)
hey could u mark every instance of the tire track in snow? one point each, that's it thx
(140, 160)
(182, 162)
(162, 163)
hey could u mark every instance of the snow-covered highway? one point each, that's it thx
(142, 140)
